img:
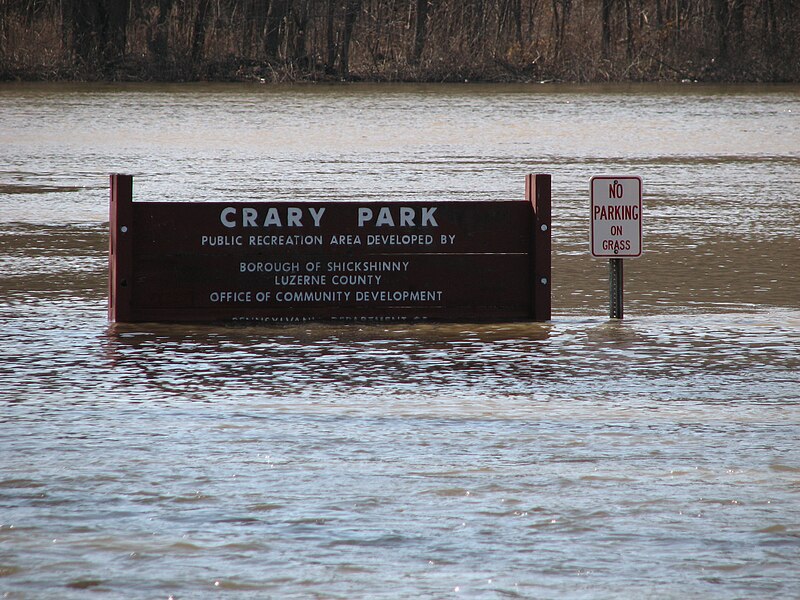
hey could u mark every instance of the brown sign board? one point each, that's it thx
(288, 261)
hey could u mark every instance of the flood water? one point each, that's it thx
(655, 457)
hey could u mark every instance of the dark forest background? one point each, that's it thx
(400, 40)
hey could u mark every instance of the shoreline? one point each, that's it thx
(235, 72)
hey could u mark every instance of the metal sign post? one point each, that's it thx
(615, 288)
(616, 232)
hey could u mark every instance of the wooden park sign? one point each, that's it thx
(297, 261)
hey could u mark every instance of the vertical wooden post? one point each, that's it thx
(615, 287)
(120, 264)
(538, 193)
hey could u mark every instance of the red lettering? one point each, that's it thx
(616, 212)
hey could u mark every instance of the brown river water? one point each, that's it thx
(654, 457)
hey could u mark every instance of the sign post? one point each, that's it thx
(615, 288)
(616, 231)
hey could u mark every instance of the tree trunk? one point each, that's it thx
(97, 30)
(420, 25)
(330, 59)
(116, 29)
(276, 27)
(721, 18)
(561, 22)
(199, 31)
(517, 12)
(353, 7)
(299, 52)
(606, 28)
(158, 42)
(628, 31)
(737, 18)
(87, 30)
(478, 25)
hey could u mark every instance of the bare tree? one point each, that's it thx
(606, 28)
(352, 10)
(420, 24)
(275, 27)
(97, 29)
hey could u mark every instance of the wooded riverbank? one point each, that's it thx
(400, 40)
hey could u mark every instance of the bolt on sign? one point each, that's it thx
(299, 261)
(616, 210)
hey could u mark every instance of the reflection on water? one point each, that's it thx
(579, 458)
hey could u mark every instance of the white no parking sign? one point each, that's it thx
(616, 216)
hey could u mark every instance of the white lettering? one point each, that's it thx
(364, 215)
(223, 216)
(272, 218)
(345, 240)
(269, 267)
(368, 266)
(399, 240)
(285, 240)
(356, 279)
(249, 216)
(316, 214)
(221, 240)
(399, 296)
(291, 296)
(301, 279)
(406, 216)
(428, 218)
(227, 296)
(384, 217)
(293, 217)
